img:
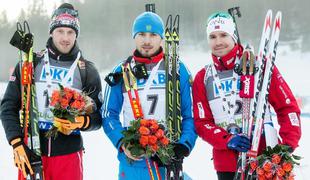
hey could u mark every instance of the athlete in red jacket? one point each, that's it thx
(217, 84)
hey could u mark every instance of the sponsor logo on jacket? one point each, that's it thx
(226, 85)
(158, 81)
(57, 74)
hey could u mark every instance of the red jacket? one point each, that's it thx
(225, 160)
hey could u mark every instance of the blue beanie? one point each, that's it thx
(148, 22)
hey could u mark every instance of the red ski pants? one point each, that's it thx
(64, 167)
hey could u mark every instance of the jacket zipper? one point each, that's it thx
(49, 147)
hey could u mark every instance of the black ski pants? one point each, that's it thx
(225, 175)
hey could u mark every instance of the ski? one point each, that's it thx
(263, 95)
(176, 78)
(262, 99)
(173, 98)
(169, 76)
(260, 64)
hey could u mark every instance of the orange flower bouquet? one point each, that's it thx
(67, 103)
(275, 164)
(146, 137)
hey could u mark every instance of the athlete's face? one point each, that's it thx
(64, 39)
(220, 43)
(148, 43)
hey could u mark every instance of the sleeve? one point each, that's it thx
(110, 111)
(10, 106)
(93, 86)
(204, 121)
(285, 105)
(188, 134)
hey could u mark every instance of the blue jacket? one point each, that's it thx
(115, 99)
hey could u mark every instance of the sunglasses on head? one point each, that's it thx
(72, 12)
(219, 14)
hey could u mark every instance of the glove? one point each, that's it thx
(66, 127)
(175, 167)
(180, 151)
(21, 156)
(239, 142)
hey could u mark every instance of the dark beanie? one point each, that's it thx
(65, 16)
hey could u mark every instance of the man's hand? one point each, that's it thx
(129, 155)
(180, 151)
(66, 126)
(239, 142)
(21, 156)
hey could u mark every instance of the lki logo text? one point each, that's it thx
(158, 80)
(45, 125)
(48, 125)
(57, 74)
(226, 85)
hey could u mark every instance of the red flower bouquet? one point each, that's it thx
(67, 104)
(146, 138)
(275, 164)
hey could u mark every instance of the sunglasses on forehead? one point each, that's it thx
(72, 12)
(219, 14)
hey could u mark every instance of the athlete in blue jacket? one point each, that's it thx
(148, 33)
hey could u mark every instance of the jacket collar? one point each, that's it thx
(227, 62)
(57, 55)
(147, 60)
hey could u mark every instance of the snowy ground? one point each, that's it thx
(100, 160)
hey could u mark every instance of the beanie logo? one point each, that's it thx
(148, 27)
(217, 27)
(217, 21)
(64, 16)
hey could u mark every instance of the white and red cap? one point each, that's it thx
(222, 21)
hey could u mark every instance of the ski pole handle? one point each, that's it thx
(235, 11)
(150, 8)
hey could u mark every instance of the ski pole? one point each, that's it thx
(150, 7)
(235, 11)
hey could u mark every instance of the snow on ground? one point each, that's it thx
(100, 160)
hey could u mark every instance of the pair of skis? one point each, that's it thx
(173, 97)
(265, 63)
(29, 110)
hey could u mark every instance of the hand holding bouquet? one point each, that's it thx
(66, 105)
(275, 164)
(146, 138)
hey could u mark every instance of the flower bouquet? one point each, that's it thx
(67, 103)
(146, 137)
(275, 164)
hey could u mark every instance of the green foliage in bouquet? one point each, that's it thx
(145, 138)
(275, 163)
